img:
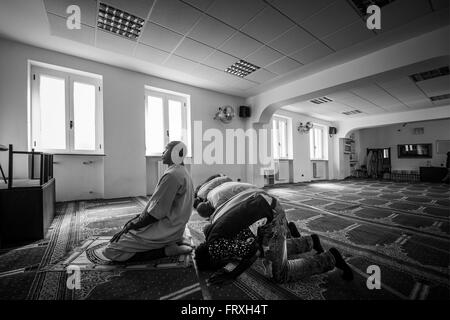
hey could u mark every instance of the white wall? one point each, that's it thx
(390, 136)
(204, 105)
(334, 73)
(301, 146)
(125, 163)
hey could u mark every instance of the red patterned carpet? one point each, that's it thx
(402, 228)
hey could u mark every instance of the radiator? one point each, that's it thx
(318, 169)
(283, 171)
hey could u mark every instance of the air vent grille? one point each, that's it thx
(349, 113)
(439, 72)
(321, 100)
(441, 97)
(242, 68)
(361, 5)
(119, 22)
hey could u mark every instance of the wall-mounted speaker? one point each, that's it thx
(332, 130)
(244, 112)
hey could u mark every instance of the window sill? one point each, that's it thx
(319, 159)
(80, 154)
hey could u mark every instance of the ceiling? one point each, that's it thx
(378, 97)
(194, 41)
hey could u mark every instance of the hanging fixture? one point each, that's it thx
(304, 128)
(225, 114)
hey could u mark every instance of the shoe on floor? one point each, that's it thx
(316, 243)
(347, 273)
(293, 230)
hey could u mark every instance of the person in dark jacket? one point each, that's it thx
(447, 164)
(253, 225)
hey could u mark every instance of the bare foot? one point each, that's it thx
(176, 250)
(185, 242)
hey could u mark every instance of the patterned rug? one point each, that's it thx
(88, 257)
(403, 228)
(39, 271)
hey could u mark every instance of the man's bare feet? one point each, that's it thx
(186, 242)
(176, 250)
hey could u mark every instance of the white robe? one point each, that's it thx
(171, 204)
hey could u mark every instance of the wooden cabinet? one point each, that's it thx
(432, 174)
(26, 213)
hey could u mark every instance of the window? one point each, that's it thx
(318, 143)
(281, 137)
(166, 119)
(66, 112)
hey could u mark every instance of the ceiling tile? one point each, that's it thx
(350, 35)
(419, 104)
(335, 106)
(283, 66)
(242, 84)
(293, 40)
(200, 4)
(267, 25)
(139, 8)
(261, 76)
(226, 78)
(193, 50)
(235, 12)
(87, 7)
(311, 53)
(341, 95)
(211, 31)
(207, 72)
(240, 45)
(111, 42)
(263, 56)
(299, 10)
(164, 12)
(378, 96)
(400, 12)
(361, 104)
(396, 108)
(180, 64)
(159, 37)
(406, 91)
(58, 28)
(220, 60)
(334, 17)
(436, 86)
(150, 54)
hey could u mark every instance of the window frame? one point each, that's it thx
(287, 137)
(70, 77)
(324, 142)
(185, 118)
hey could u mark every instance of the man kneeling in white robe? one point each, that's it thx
(158, 231)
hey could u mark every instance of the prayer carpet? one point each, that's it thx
(401, 228)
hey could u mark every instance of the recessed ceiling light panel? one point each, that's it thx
(439, 72)
(349, 113)
(119, 22)
(361, 5)
(441, 97)
(241, 68)
(321, 100)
